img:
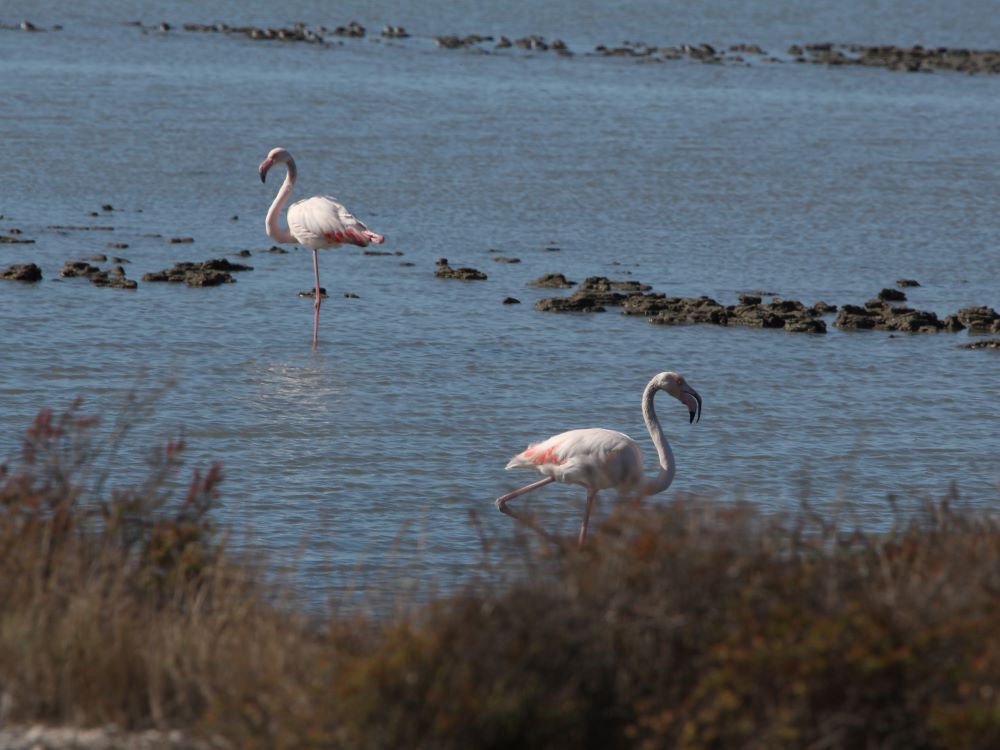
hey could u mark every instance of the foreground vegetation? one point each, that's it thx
(684, 625)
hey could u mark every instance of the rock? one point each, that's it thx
(312, 292)
(114, 282)
(234, 217)
(511, 301)
(22, 272)
(505, 259)
(394, 32)
(99, 257)
(74, 268)
(116, 259)
(748, 299)
(953, 324)
(980, 319)
(4, 240)
(117, 245)
(107, 207)
(407, 263)
(821, 308)
(891, 295)
(854, 318)
(504, 43)
(907, 282)
(882, 316)
(353, 29)
(444, 271)
(243, 254)
(551, 249)
(553, 281)
(221, 264)
(277, 250)
(180, 240)
(207, 273)
(382, 252)
(604, 284)
(349, 295)
(987, 344)
(574, 303)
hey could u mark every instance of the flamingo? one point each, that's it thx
(598, 459)
(316, 222)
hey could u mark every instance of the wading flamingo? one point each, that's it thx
(316, 222)
(599, 459)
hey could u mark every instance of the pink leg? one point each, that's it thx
(316, 303)
(591, 495)
(504, 499)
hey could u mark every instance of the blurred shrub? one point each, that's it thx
(689, 624)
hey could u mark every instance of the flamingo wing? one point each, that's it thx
(594, 457)
(321, 221)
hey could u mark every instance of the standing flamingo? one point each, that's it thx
(316, 222)
(598, 459)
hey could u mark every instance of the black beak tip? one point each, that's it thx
(262, 176)
(691, 415)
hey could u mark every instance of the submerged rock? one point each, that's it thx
(881, 316)
(22, 272)
(312, 292)
(553, 281)
(444, 271)
(907, 282)
(573, 303)
(987, 344)
(980, 319)
(206, 273)
(604, 284)
(511, 301)
(891, 295)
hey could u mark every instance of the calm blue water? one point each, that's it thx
(362, 461)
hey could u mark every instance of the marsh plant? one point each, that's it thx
(681, 624)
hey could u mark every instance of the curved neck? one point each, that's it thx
(661, 481)
(272, 223)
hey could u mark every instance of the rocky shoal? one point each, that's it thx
(912, 59)
(597, 293)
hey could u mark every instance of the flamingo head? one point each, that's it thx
(275, 156)
(677, 387)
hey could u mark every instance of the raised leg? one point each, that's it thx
(316, 303)
(504, 499)
(591, 495)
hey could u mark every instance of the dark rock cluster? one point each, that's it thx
(206, 273)
(534, 43)
(296, 33)
(980, 319)
(444, 271)
(114, 278)
(881, 316)
(908, 59)
(986, 344)
(553, 281)
(22, 272)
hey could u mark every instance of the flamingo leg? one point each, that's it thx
(502, 501)
(591, 496)
(316, 304)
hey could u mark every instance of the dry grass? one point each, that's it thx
(685, 625)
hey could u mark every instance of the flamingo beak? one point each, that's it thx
(264, 166)
(693, 402)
